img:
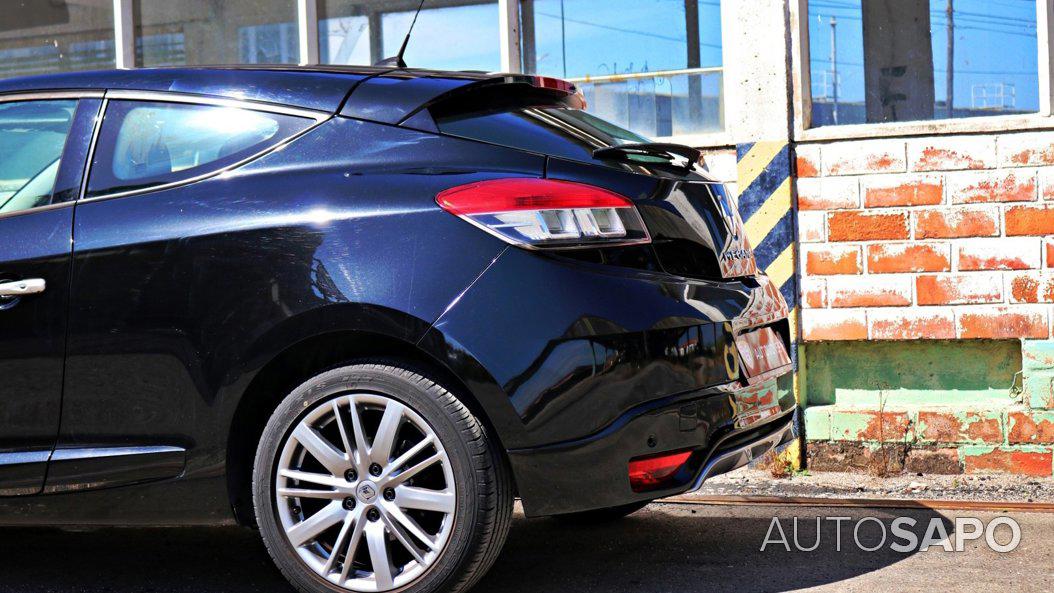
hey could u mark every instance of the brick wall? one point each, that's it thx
(927, 238)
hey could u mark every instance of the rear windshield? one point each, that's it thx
(558, 129)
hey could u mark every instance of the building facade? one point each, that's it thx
(894, 162)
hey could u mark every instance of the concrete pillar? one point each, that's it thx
(757, 59)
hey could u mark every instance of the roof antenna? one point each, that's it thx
(397, 60)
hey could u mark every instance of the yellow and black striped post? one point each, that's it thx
(764, 172)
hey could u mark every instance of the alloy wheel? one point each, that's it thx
(365, 492)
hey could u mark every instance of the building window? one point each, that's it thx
(911, 60)
(652, 66)
(194, 32)
(449, 34)
(56, 36)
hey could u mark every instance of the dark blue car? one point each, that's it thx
(363, 309)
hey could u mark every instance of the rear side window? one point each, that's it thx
(32, 137)
(552, 129)
(144, 144)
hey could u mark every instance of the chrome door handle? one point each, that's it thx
(22, 287)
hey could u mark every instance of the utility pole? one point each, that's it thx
(950, 75)
(834, 68)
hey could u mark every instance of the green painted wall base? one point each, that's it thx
(973, 374)
(937, 406)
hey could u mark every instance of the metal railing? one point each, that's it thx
(659, 103)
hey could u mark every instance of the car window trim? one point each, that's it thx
(38, 95)
(318, 117)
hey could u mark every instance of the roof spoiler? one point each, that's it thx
(397, 96)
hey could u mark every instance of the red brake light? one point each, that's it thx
(656, 471)
(546, 213)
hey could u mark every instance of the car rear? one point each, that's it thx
(627, 321)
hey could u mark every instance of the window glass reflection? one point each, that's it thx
(56, 36)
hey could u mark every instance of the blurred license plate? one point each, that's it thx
(762, 352)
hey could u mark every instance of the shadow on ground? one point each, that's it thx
(666, 548)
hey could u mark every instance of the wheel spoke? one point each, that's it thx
(378, 545)
(361, 452)
(310, 528)
(413, 471)
(381, 451)
(410, 525)
(349, 521)
(352, 547)
(321, 449)
(308, 493)
(403, 538)
(311, 478)
(349, 453)
(406, 457)
(422, 499)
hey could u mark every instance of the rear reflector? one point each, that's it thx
(535, 213)
(656, 471)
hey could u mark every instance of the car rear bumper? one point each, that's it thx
(580, 367)
(724, 429)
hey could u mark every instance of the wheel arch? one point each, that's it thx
(304, 359)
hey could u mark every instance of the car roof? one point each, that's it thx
(389, 95)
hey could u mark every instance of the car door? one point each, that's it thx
(43, 147)
(148, 304)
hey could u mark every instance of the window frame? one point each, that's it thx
(317, 117)
(307, 22)
(36, 95)
(801, 74)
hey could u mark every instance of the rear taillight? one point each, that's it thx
(537, 213)
(655, 472)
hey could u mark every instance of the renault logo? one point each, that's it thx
(367, 492)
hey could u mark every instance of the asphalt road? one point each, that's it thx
(666, 548)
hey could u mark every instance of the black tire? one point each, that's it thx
(484, 493)
(601, 516)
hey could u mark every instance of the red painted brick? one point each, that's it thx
(890, 258)
(812, 227)
(828, 193)
(863, 291)
(1030, 220)
(1031, 463)
(1030, 427)
(864, 156)
(814, 292)
(1035, 148)
(992, 186)
(957, 222)
(951, 153)
(806, 166)
(959, 289)
(969, 427)
(1030, 287)
(1002, 322)
(911, 324)
(855, 225)
(900, 190)
(880, 425)
(1050, 253)
(824, 324)
(832, 259)
(999, 254)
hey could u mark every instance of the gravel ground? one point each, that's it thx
(994, 488)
